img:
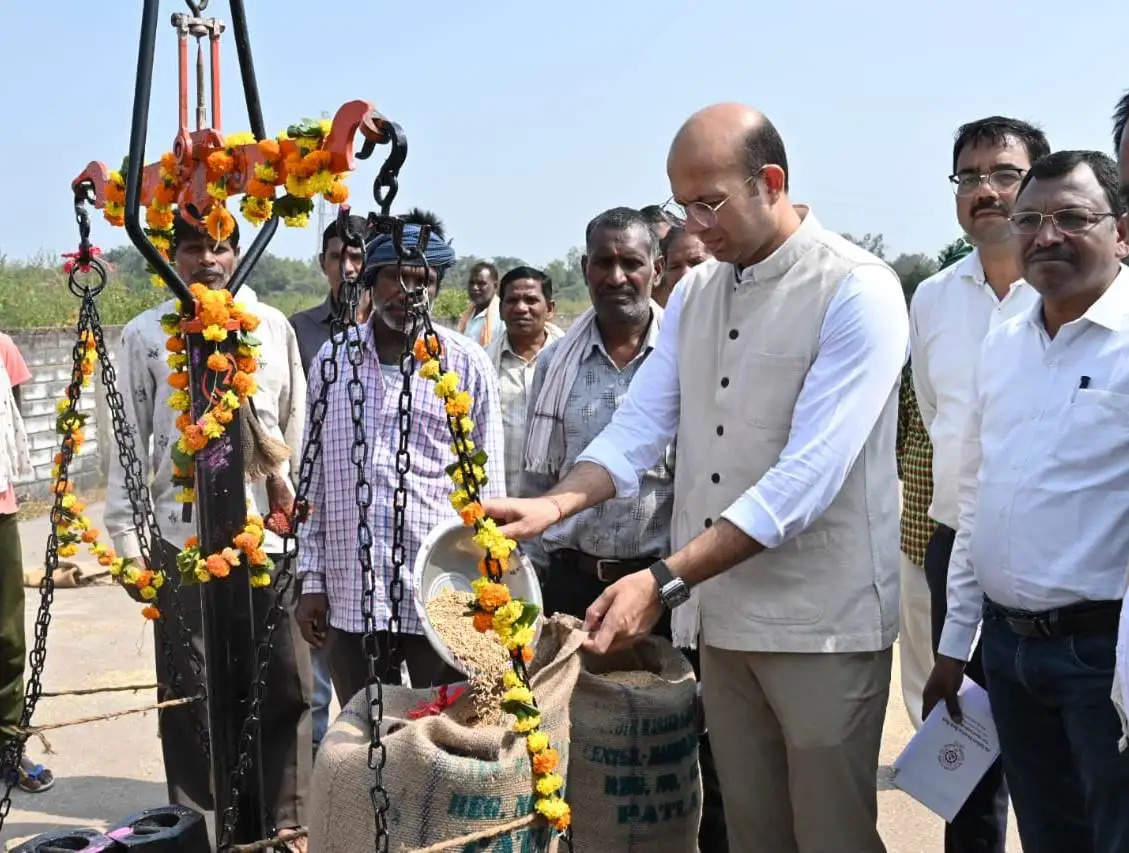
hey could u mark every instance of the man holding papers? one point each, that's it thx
(1043, 536)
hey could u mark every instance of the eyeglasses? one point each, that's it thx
(702, 213)
(1072, 220)
(1001, 180)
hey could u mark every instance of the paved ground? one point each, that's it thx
(108, 770)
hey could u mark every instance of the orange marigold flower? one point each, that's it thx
(175, 344)
(493, 595)
(218, 362)
(183, 421)
(459, 404)
(248, 322)
(471, 513)
(421, 351)
(546, 761)
(222, 415)
(151, 612)
(337, 193)
(257, 557)
(269, 148)
(483, 621)
(260, 189)
(179, 380)
(144, 578)
(483, 568)
(158, 217)
(219, 163)
(219, 223)
(191, 542)
(561, 823)
(214, 314)
(243, 384)
(90, 535)
(105, 560)
(194, 438)
(246, 542)
(246, 363)
(217, 566)
(527, 654)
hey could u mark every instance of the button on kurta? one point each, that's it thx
(733, 334)
(715, 478)
(720, 430)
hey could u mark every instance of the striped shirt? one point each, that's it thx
(327, 554)
(915, 466)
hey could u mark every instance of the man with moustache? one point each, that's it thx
(681, 251)
(526, 295)
(481, 320)
(279, 407)
(1043, 529)
(950, 314)
(579, 383)
(777, 368)
(329, 611)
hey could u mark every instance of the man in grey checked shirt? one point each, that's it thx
(584, 554)
(329, 611)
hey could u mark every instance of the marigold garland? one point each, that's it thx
(72, 527)
(494, 608)
(195, 567)
(229, 379)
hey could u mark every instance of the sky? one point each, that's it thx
(526, 119)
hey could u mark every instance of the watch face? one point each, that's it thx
(675, 593)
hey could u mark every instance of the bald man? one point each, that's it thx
(784, 353)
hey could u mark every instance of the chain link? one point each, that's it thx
(13, 749)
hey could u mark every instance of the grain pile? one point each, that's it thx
(632, 677)
(480, 655)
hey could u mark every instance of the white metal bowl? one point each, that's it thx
(448, 558)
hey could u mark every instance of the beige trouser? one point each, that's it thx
(915, 638)
(796, 739)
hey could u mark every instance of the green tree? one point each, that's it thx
(913, 269)
(873, 243)
(953, 252)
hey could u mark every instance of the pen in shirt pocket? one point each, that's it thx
(1083, 384)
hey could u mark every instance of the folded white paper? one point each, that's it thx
(944, 761)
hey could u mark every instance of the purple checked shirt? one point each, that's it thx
(327, 553)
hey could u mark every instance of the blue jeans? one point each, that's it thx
(1058, 732)
(323, 692)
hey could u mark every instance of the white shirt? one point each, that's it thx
(862, 348)
(1044, 481)
(950, 314)
(143, 371)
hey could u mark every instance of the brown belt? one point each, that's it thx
(604, 569)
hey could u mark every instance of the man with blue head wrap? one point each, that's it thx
(329, 610)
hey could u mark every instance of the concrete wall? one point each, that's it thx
(49, 356)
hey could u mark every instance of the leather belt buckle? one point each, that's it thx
(600, 564)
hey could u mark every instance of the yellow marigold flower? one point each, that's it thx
(260, 580)
(63, 405)
(116, 567)
(504, 617)
(230, 400)
(556, 811)
(179, 401)
(299, 221)
(446, 385)
(177, 361)
(68, 550)
(536, 742)
(518, 694)
(549, 784)
(69, 501)
(527, 724)
(131, 574)
(214, 333)
(244, 137)
(510, 679)
(429, 369)
(202, 575)
(523, 636)
(266, 173)
(186, 496)
(459, 499)
(466, 424)
(158, 580)
(148, 593)
(468, 446)
(212, 428)
(459, 404)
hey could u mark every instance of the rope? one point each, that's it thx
(171, 703)
(267, 843)
(86, 691)
(481, 835)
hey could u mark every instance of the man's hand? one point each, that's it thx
(624, 612)
(312, 613)
(943, 683)
(523, 518)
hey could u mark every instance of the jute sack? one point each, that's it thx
(444, 779)
(633, 778)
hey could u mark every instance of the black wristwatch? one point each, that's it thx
(672, 591)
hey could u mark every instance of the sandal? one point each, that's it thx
(35, 778)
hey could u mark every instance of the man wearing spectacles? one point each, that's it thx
(785, 352)
(950, 314)
(1043, 532)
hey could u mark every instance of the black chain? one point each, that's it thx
(13, 749)
(144, 518)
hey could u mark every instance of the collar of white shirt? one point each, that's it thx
(1111, 310)
(971, 269)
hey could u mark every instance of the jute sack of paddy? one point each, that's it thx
(445, 779)
(633, 778)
